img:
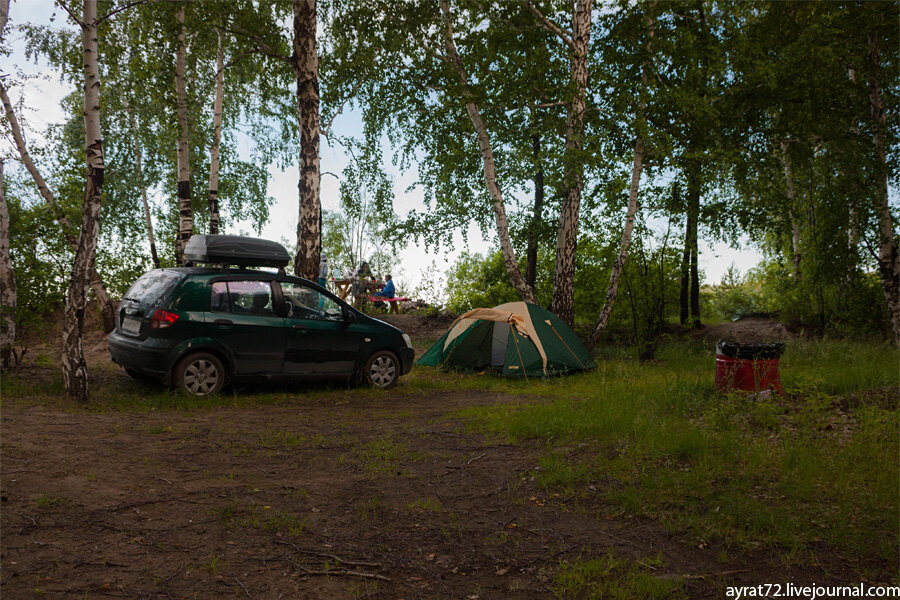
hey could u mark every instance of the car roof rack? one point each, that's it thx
(240, 251)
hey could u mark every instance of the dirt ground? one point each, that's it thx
(333, 495)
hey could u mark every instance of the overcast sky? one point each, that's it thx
(42, 104)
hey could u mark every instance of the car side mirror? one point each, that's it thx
(350, 317)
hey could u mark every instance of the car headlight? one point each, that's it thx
(407, 340)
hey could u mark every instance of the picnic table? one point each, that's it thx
(344, 287)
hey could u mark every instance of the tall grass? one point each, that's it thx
(790, 473)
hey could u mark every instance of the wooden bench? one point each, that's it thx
(394, 302)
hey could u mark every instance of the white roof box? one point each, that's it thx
(236, 250)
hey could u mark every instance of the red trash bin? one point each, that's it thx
(750, 367)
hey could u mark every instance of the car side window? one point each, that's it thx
(304, 302)
(219, 301)
(242, 297)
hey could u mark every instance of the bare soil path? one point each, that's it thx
(393, 499)
(339, 494)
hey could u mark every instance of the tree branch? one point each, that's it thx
(262, 47)
(119, 9)
(340, 109)
(71, 14)
(548, 24)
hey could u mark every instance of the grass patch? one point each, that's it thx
(260, 516)
(426, 504)
(380, 455)
(51, 501)
(609, 577)
(784, 473)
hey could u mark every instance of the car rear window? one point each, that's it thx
(152, 286)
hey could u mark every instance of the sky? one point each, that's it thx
(42, 98)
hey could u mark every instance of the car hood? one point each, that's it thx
(385, 324)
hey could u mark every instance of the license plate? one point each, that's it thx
(132, 326)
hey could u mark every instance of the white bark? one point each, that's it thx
(578, 45)
(213, 198)
(615, 274)
(490, 173)
(185, 210)
(305, 61)
(792, 209)
(73, 363)
(97, 286)
(7, 284)
(888, 258)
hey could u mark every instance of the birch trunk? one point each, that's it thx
(140, 174)
(213, 198)
(888, 259)
(616, 273)
(185, 210)
(73, 365)
(7, 284)
(636, 169)
(792, 210)
(107, 309)
(536, 217)
(563, 304)
(306, 68)
(490, 173)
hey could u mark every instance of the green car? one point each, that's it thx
(197, 328)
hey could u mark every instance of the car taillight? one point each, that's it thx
(162, 319)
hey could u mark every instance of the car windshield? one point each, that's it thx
(151, 286)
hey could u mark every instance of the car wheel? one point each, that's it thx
(200, 374)
(382, 370)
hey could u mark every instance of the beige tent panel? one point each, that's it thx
(514, 313)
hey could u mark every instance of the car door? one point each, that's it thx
(243, 317)
(320, 339)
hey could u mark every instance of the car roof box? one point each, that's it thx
(236, 250)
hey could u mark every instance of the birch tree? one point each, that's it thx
(636, 170)
(96, 283)
(305, 61)
(213, 197)
(185, 210)
(7, 275)
(487, 156)
(73, 364)
(577, 42)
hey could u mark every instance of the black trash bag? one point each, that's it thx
(750, 351)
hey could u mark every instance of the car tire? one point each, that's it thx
(199, 374)
(382, 370)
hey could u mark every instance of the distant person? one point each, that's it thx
(360, 286)
(388, 291)
(323, 271)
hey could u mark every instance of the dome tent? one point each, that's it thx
(517, 339)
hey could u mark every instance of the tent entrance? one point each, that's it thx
(499, 341)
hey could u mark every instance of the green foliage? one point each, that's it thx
(735, 296)
(475, 281)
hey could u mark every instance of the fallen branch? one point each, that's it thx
(344, 573)
(244, 588)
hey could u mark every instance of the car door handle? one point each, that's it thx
(223, 323)
(299, 326)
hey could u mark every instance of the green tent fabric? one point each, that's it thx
(516, 339)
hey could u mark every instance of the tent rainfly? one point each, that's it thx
(516, 339)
